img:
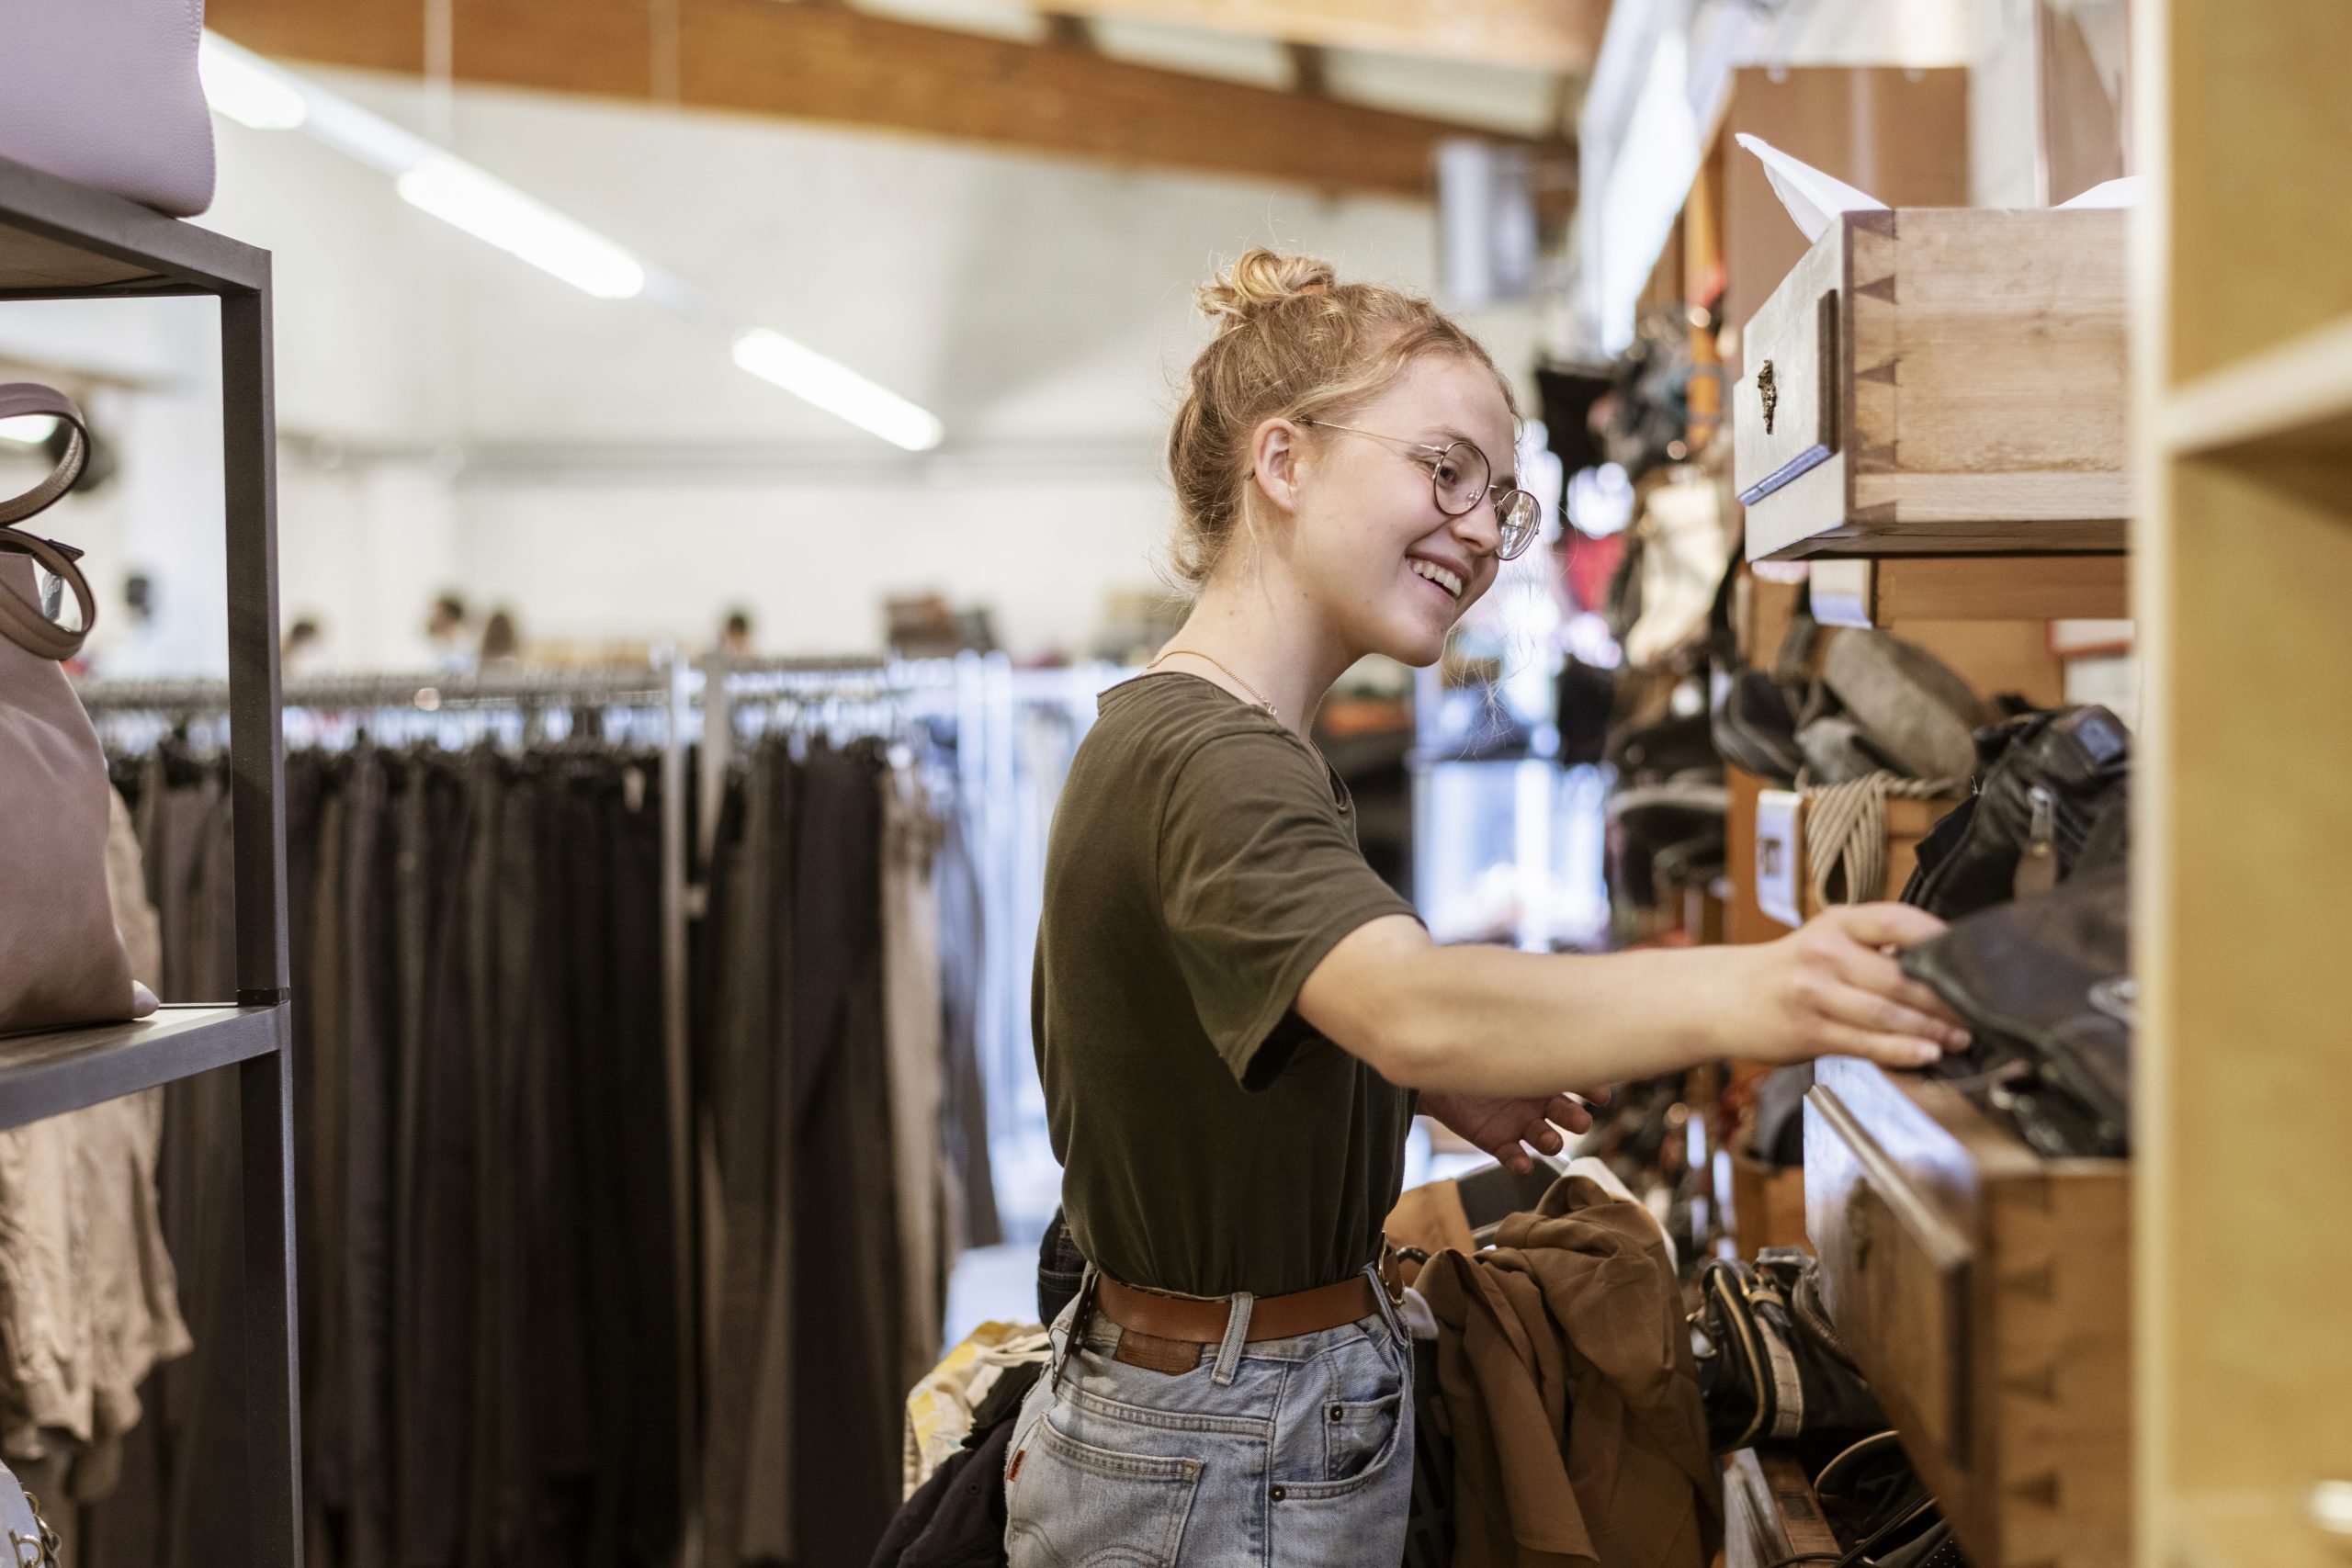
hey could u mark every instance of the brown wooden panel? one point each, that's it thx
(834, 64)
(1900, 135)
(1996, 587)
(1561, 35)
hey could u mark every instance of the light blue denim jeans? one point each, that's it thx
(1287, 1453)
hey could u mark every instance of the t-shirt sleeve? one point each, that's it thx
(1260, 879)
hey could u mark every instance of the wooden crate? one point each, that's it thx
(1942, 382)
(1984, 1292)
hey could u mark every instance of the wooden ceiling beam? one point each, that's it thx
(832, 63)
(1547, 35)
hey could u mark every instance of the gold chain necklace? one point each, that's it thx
(1237, 680)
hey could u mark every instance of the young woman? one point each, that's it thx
(1233, 1013)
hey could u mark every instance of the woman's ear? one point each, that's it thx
(1277, 450)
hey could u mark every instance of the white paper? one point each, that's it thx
(2124, 192)
(1814, 199)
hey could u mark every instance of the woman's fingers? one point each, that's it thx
(1867, 1008)
(1869, 970)
(1565, 1113)
(1887, 1050)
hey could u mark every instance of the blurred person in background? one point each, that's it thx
(304, 652)
(450, 635)
(735, 635)
(502, 643)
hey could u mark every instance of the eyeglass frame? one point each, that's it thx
(1489, 490)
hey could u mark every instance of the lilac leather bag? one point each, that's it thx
(62, 961)
(106, 92)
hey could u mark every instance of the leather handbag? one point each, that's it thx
(1775, 1368)
(2045, 985)
(31, 1543)
(2052, 798)
(62, 961)
(106, 92)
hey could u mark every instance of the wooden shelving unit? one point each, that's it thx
(62, 240)
(2242, 552)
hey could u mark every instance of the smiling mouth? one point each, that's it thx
(1439, 575)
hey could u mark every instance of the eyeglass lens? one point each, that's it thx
(1460, 478)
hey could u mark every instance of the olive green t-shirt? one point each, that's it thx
(1202, 861)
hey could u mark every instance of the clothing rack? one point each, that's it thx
(666, 685)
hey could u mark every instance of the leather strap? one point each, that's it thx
(21, 620)
(21, 399)
(1270, 1317)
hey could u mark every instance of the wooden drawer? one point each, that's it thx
(1770, 1512)
(1985, 1294)
(1942, 380)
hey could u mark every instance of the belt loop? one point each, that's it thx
(1081, 1306)
(1387, 1308)
(1237, 1332)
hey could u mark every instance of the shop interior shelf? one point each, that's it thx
(51, 1072)
(1867, 593)
(60, 240)
(2293, 399)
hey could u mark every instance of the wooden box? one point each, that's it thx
(1985, 1292)
(1770, 1514)
(1940, 380)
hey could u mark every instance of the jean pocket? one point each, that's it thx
(1355, 1433)
(1070, 1504)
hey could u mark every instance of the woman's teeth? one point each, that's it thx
(1438, 575)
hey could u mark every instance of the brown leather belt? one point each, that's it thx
(1202, 1323)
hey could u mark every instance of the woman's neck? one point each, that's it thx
(1277, 649)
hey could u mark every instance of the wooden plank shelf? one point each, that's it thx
(2294, 398)
(51, 1072)
(1972, 588)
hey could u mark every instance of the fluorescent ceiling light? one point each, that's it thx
(247, 88)
(256, 92)
(31, 429)
(836, 388)
(491, 210)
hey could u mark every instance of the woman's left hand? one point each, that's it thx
(1504, 1127)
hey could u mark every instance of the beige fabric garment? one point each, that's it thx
(88, 1302)
(1574, 1310)
(915, 1028)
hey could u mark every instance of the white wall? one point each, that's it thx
(455, 419)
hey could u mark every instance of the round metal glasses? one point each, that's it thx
(1460, 477)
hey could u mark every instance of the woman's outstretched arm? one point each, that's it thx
(1490, 1020)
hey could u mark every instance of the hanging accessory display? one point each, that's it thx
(62, 961)
(1774, 1367)
(31, 1543)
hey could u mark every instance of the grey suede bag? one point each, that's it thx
(106, 92)
(62, 961)
(31, 1543)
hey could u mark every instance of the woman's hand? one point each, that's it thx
(1501, 1127)
(1833, 987)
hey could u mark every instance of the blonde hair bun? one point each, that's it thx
(1259, 280)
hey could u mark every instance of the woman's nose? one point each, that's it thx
(1479, 527)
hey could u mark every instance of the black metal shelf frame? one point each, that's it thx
(64, 241)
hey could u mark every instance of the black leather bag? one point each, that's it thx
(2045, 984)
(2052, 798)
(1774, 1367)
